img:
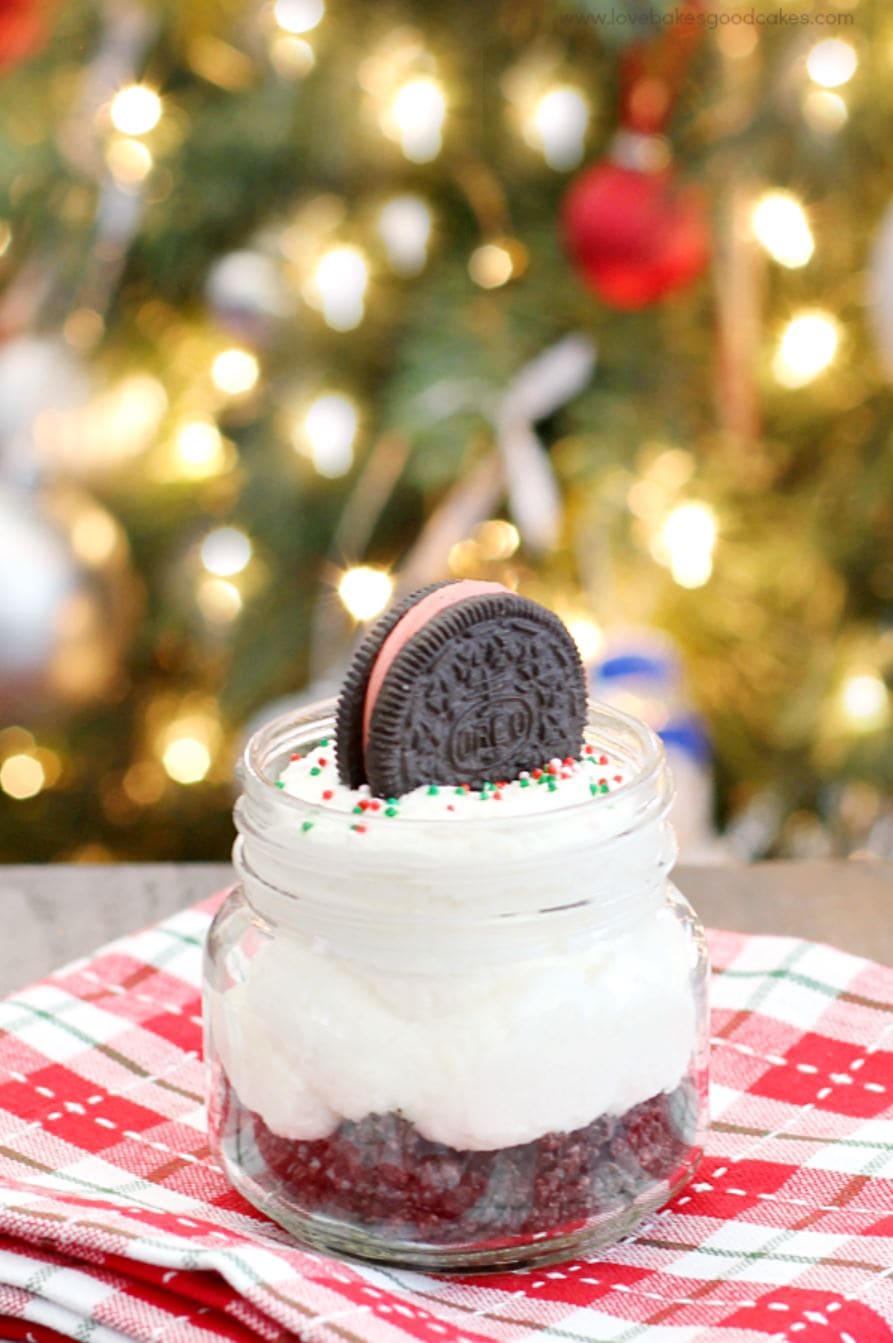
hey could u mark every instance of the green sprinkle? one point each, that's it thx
(603, 788)
(316, 770)
(525, 783)
(324, 742)
(390, 811)
(593, 788)
(358, 811)
(484, 795)
(433, 790)
(305, 826)
(552, 785)
(280, 783)
(391, 801)
(460, 791)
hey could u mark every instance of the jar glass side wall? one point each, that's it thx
(377, 1182)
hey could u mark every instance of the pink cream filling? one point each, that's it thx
(408, 626)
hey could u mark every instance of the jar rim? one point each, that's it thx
(318, 719)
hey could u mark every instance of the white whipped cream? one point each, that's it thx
(482, 1060)
(399, 984)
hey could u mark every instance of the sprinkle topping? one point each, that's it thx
(312, 776)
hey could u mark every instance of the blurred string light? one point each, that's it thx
(496, 539)
(187, 745)
(404, 226)
(587, 635)
(219, 601)
(327, 434)
(22, 776)
(5, 237)
(557, 126)
(685, 544)
(186, 759)
(864, 701)
(832, 62)
(135, 110)
(415, 117)
(338, 287)
(129, 161)
(365, 591)
(780, 225)
(95, 536)
(291, 56)
(298, 16)
(199, 450)
(494, 263)
(225, 551)
(825, 111)
(807, 347)
(235, 372)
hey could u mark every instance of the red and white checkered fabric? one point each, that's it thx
(116, 1225)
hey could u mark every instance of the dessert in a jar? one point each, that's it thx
(457, 1022)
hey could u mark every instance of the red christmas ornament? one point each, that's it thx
(635, 235)
(23, 30)
(632, 229)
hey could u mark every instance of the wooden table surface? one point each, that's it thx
(53, 914)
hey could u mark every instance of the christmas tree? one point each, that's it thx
(309, 303)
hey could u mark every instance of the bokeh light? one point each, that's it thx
(225, 551)
(558, 126)
(235, 372)
(21, 776)
(135, 110)
(417, 114)
(807, 347)
(404, 226)
(329, 429)
(686, 543)
(865, 701)
(339, 287)
(365, 591)
(780, 224)
(299, 16)
(832, 62)
(186, 759)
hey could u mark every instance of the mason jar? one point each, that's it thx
(457, 1043)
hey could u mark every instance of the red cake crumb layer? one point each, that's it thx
(380, 1175)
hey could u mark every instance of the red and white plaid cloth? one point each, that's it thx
(116, 1225)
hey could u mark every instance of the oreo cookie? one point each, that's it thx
(461, 683)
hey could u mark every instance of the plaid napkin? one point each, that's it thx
(116, 1225)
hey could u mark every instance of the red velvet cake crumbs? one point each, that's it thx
(382, 1176)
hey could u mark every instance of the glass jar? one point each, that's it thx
(457, 1044)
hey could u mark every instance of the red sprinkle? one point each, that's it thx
(360, 829)
(602, 783)
(364, 804)
(568, 760)
(296, 755)
(322, 760)
(603, 760)
(536, 774)
(374, 804)
(497, 797)
(450, 807)
(553, 768)
(618, 778)
(328, 795)
(587, 749)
